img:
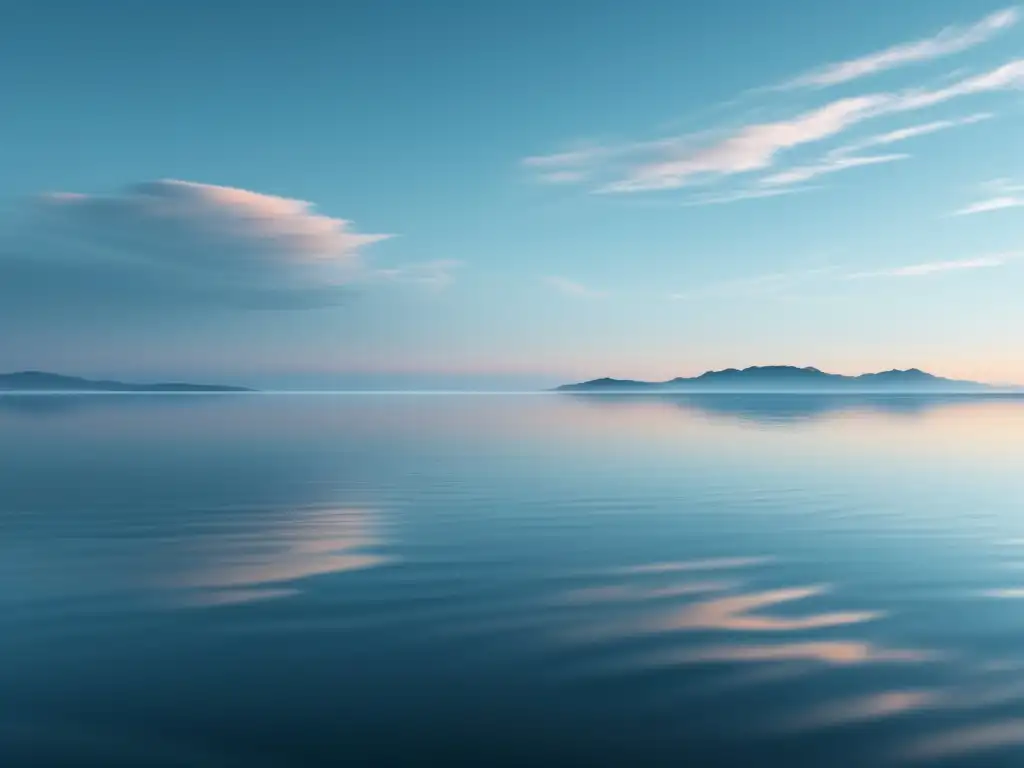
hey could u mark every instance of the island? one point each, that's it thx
(788, 378)
(41, 381)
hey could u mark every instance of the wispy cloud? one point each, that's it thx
(578, 165)
(751, 148)
(576, 157)
(572, 288)
(839, 159)
(755, 147)
(844, 157)
(433, 274)
(947, 42)
(818, 278)
(562, 177)
(913, 131)
(992, 204)
(774, 282)
(738, 195)
(831, 164)
(1002, 193)
(935, 267)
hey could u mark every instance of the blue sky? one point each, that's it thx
(510, 194)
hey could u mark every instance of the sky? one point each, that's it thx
(385, 194)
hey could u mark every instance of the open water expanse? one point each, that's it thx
(492, 580)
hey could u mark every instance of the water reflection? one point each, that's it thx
(875, 706)
(55, 405)
(775, 408)
(238, 567)
(837, 652)
(817, 592)
(736, 613)
(969, 740)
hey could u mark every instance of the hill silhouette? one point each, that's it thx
(41, 381)
(786, 378)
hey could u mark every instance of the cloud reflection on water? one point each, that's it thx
(738, 613)
(832, 652)
(243, 567)
(735, 613)
(967, 740)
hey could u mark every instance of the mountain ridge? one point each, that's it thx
(42, 381)
(786, 378)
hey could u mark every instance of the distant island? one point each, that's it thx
(40, 381)
(788, 378)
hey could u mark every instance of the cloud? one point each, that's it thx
(738, 195)
(755, 147)
(815, 279)
(751, 148)
(832, 164)
(844, 157)
(177, 242)
(710, 155)
(562, 159)
(992, 204)
(437, 274)
(562, 177)
(934, 267)
(949, 41)
(578, 165)
(572, 288)
(913, 131)
(1010, 75)
(1003, 194)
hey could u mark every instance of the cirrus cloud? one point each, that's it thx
(949, 41)
(756, 147)
(1001, 194)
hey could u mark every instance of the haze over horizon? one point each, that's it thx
(289, 198)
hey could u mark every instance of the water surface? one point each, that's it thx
(329, 580)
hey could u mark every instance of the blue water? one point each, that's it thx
(327, 580)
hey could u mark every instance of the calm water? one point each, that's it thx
(287, 580)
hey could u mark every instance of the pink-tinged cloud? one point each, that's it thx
(183, 221)
(949, 41)
(756, 147)
(846, 156)
(170, 242)
(752, 148)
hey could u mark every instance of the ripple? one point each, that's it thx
(838, 652)
(875, 706)
(968, 740)
(616, 594)
(734, 614)
(712, 564)
(305, 543)
(1009, 593)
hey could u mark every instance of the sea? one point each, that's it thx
(318, 580)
